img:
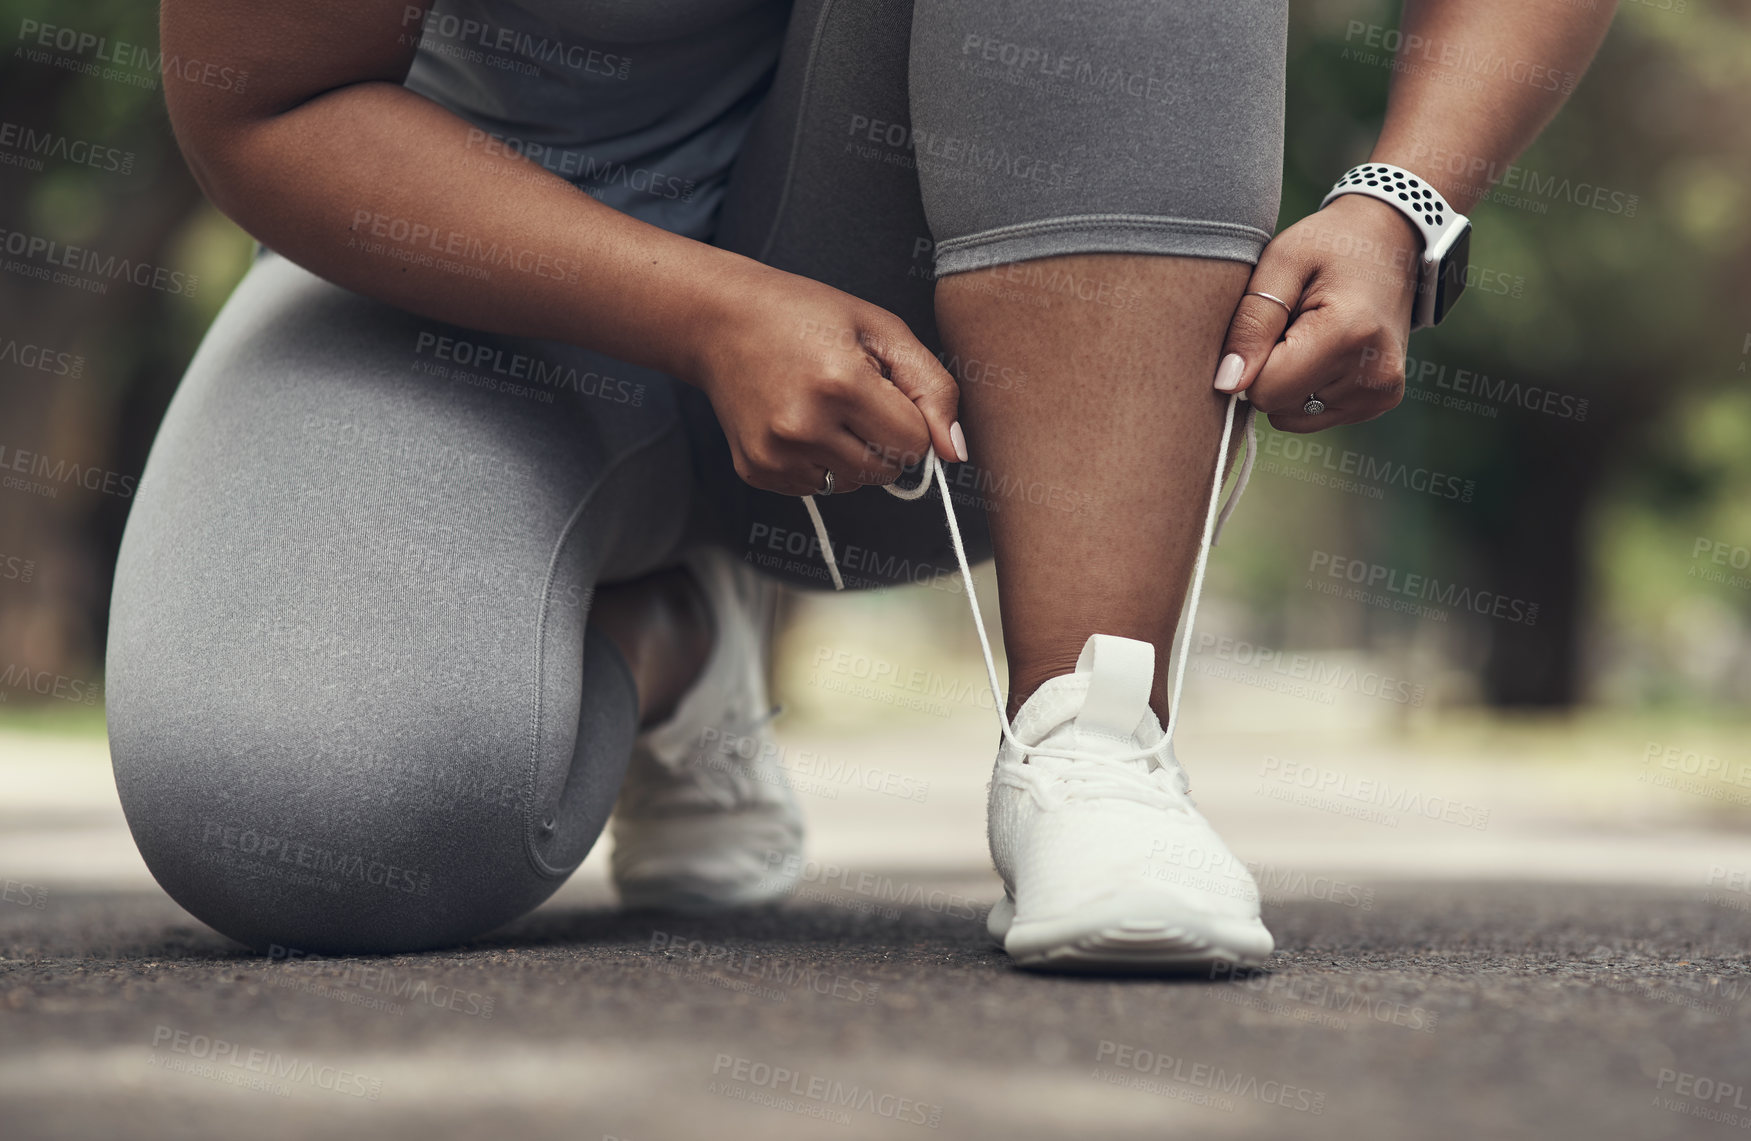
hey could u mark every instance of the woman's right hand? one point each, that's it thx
(806, 379)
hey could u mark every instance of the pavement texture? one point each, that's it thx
(1478, 951)
(1451, 1010)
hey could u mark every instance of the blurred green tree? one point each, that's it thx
(1629, 223)
(1643, 314)
(90, 162)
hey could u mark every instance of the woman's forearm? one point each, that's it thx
(1473, 83)
(384, 192)
(1476, 80)
(327, 157)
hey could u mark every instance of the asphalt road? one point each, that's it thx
(1458, 1010)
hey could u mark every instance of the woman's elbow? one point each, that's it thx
(214, 154)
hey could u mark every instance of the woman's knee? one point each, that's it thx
(276, 839)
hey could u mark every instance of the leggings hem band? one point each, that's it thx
(1100, 233)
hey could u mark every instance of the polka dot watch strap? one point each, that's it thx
(1396, 186)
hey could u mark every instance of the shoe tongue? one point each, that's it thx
(1119, 672)
(1106, 701)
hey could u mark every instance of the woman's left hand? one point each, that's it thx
(1349, 272)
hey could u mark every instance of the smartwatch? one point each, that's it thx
(1446, 233)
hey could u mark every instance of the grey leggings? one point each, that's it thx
(353, 706)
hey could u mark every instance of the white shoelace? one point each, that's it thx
(1053, 782)
(1213, 522)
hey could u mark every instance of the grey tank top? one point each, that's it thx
(641, 103)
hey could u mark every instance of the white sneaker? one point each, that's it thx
(1107, 863)
(704, 817)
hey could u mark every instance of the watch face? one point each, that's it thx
(1450, 281)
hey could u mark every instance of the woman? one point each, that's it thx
(442, 548)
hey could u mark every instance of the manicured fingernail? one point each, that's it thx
(959, 440)
(1228, 373)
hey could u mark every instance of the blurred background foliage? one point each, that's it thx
(1647, 317)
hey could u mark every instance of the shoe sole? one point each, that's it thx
(1117, 936)
(700, 894)
(670, 865)
(691, 897)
